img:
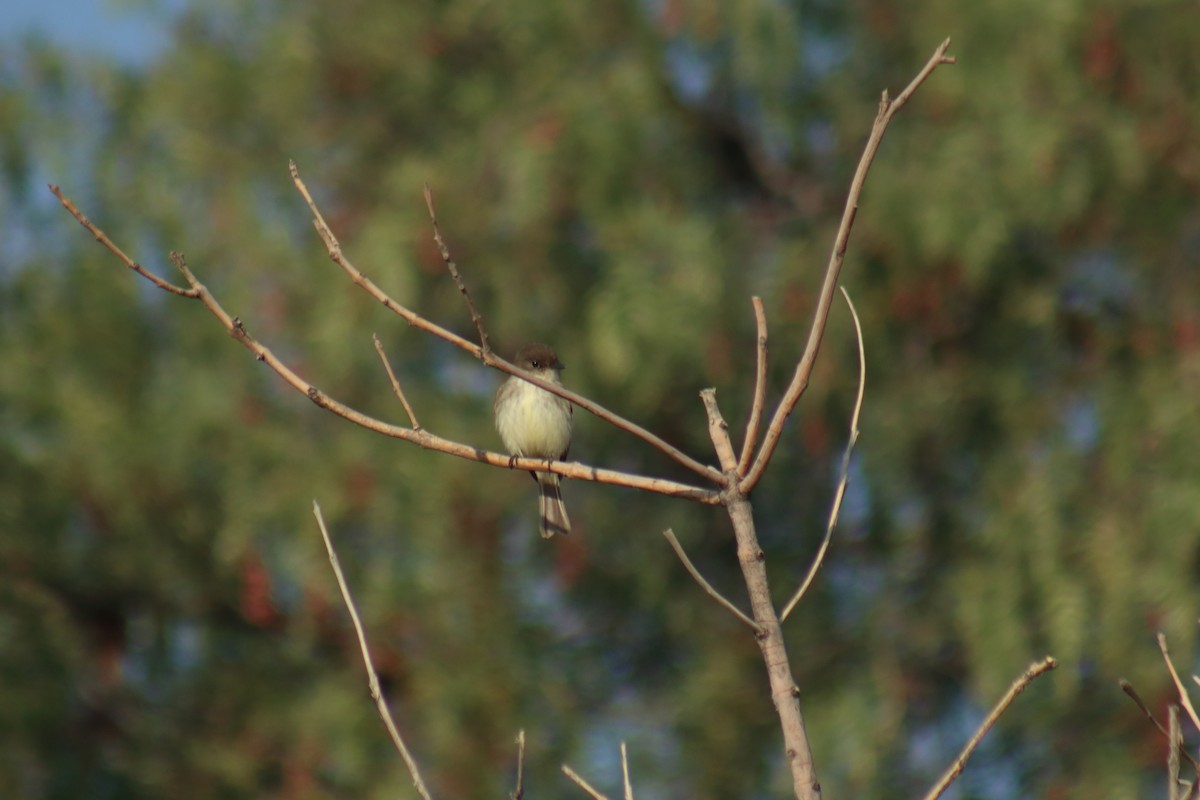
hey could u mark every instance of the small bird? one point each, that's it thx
(534, 423)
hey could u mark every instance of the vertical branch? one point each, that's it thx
(760, 387)
(784, 692)
(883, 118)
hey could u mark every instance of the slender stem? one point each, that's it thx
(1035, 670)
(844, 479)
(705, 585)
(372, 677)
(760, 387)
(582, 784)
(408, 409)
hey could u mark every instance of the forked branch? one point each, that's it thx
(887, 110)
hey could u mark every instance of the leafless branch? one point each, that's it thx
(1128, 689)
(844, 479)
(372, 677)
(625, 773)
(412, 415)
(103, 239)
(582, 784)
(705, 585)
(1183, 694)
(1175, 737)
(488, 357)
(422, 438)
(519, 791)
(760, 387)
(718, 431)
(476, 317)
(1035, 670)
(887, 110)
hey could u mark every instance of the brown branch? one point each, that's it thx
(519, 791)
(412, 415)
(625, 773)
(1034, 671)
(582, 784)
(844, 479)
(760, 387)
(372, 677)
(1128, 689)
(103, 239)
(421, 438)
(718, 431)
(1175, 736)
(784, 692)
(1183, 695)
(476, 317)
(488, 357)
(705, 585)
(887, 110)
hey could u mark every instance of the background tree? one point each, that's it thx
(618, 183)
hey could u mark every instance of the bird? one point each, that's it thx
(535, 423)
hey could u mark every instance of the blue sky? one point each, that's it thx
(131, 31)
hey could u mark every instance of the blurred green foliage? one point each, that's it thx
(617, 182)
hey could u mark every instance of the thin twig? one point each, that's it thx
(582, 784)
(625, 773)
(476, 317)
(372, 677)
(760, 387)
(1175, 736)
(705, 585)
(887, 110)
(488, 357)
(1128, 689)
(103, 239)
(844, 479)
(412, 415)
(519, 791)
(1183, 695)
(1035, 670)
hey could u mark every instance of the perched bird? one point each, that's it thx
(534, 423)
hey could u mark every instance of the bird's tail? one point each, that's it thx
(553, 513)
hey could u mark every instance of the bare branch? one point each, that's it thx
(1183, 695)
(519, 791)
(1175, 736)
(625, 773)
(887, 110)
(476, 317)
(1035, 670)
(488, 357)
(844, 480)
(1128, 689)
(760, 387)
(705, 585)
(718, 431)
(412, 415)
(372, 677)
(103, 239)
(421, 438)
(582, 784)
